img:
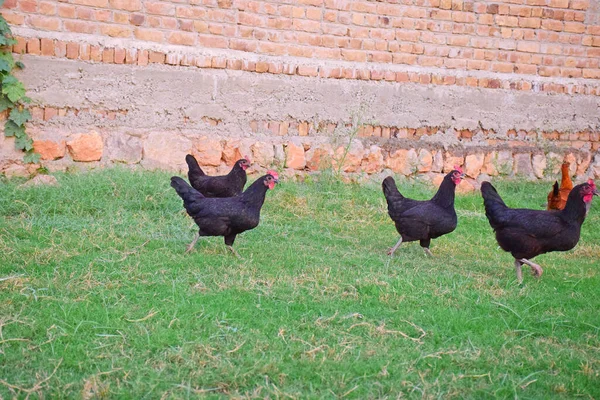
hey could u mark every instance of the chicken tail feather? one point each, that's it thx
(390, 189)
(183, 189)
(193, 167)
(493, 203)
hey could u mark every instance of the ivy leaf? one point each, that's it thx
(4, 66)
(19, 117)
(9, 80)
(4, 28)
(7, 40)
(12, 88)
(31, 157)
(12, 129)
(24, 143)
(5, 103)
(8, 58)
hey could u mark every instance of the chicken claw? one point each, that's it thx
(393, 249)
(191, 245)
(235, 253)
(536, 270)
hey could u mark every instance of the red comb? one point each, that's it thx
(248, 159)
(591, 183)
(273, 174)
(459, 169)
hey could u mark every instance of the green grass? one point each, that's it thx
(101, 300)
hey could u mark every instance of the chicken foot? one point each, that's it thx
(393, 249)
(428, 252)
(536, 270)
(235, 253)
(191, 245)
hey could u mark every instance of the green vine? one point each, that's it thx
(12, 95)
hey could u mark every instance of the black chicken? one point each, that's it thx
(527, 233)
(225, 217)
(228, 185)
(423, 220)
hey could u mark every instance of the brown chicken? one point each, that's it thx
(557, 198)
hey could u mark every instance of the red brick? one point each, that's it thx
(72, 50)
(402, 77)
(50, 112)
(21, 46)
(127, 5)
(84, 13)
(119, 56)
(182, 38)
(66, 11)
(218, 62)
(530, 23)
(33, 46)
(137, 19)
(143, 57)
(580, 4)
(150, 35)
(262, 66)
(121, 17)
(156, 57)
(108, 55)
(44, 23)
(95, 53)
(102, 15)
(591, 73)
(28, 6)
(354, 55)
(212, 41)
(84, 51)
(503, 67)
(529, 47)
(92, 3)
(552, 25)
(46, 8)
(305, 70)
(558, 3)
(80, 26)
(159, 8)
(116, 30)
(574, 27)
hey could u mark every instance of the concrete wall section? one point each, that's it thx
(97, 114)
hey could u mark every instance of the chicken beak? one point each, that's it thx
(276, 180)
(463, 176)
(596, 193)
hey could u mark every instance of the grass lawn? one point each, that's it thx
(98, 299)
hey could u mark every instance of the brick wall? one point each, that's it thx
(502, 49)
(526, 38)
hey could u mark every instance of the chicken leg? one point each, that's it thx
(536, 270)
(235, 253)
(519, 271)
(191, 245)
(393, 249)
(425, 245)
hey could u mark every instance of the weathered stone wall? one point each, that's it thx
(501, 88)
